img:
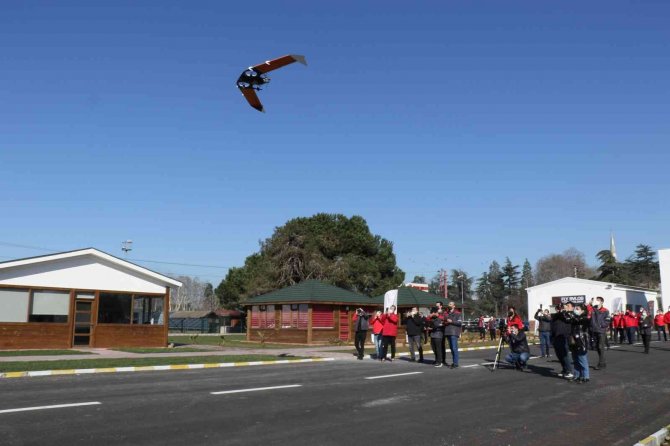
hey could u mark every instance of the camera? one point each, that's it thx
(359, 311)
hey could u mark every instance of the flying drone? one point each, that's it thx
(254, 77)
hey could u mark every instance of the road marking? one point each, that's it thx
(392, 376)
(256, 389)
(56, 406)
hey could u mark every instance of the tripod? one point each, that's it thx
(497, 360)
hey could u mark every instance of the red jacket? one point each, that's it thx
(659, 320)
(515, 321)
(666, 317)
(617, 321)
(629, 320)
(390, 324)
(377, 324)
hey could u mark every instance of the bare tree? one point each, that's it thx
(571, 263)
(190, 296)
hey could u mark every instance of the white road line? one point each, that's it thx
(56, 406)
(391, 376)
(256, 389)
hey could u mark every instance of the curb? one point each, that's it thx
(152, 368)
(656, 439)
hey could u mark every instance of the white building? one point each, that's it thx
(664, 261)
(617, 297)
(82, 298)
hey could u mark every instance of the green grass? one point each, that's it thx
(160, 350)
(231, 341)
(26, 366)
(42, 352)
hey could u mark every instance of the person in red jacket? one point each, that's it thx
(389, 332)
(659, 322)
(618, 325)
(630, 323)
(666, 319)
(513, 319)
(377, 327)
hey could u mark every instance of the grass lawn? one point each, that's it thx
(234, 341)
(42, 352)
(26, 366)
(160, 350)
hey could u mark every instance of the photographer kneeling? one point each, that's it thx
(518, 345)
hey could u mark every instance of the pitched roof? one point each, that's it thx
(95, 253)
(312, 291)
(408, 296)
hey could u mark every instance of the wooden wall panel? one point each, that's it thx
(112, 335)
(34, 335)
(288, 335)
(323, 335)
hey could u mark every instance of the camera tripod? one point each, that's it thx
(497, 359)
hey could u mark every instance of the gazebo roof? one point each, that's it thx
(312, 291)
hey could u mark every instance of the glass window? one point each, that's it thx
(114, 308)
(147, 310)
(50, 306)
(14, 305)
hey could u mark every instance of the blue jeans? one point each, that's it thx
(377, 341)
(581, 361)
(514, 358)
(545, 340)
(453, 346)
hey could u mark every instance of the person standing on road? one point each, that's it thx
(518, 348)
(361, 328)
(390, 331)
(377, 327)
(630, 323)
(436, 323)
(646, 322)
(544, 319)
(481, 327)
(492, 328)
(618, 326)
(561, 328)
(659, 324)
(598, 323)
(452, 331)
(579, 344)
(414, 327)
(666, 319)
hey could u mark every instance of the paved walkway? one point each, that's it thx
(100, 353)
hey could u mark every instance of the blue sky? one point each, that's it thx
(462, 131)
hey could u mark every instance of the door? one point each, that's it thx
(344, 325)
(83, 323)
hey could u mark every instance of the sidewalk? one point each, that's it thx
(104, 353)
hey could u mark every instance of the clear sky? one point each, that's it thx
(462, 131)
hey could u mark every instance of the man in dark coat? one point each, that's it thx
(414, 327)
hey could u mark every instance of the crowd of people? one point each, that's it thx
(571, 330)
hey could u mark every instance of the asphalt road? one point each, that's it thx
(334, 404)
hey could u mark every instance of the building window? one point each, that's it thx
(294, 316)
(50, 306)
(148, 310)
(14, 305)
(322, 316)
(114, 308)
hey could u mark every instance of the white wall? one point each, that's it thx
(614, 296)
(83, 272)
(664, 259)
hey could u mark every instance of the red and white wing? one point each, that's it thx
(279, 62)
(252, 98)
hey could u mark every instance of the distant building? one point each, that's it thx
(418, 286)
(617, 297)
(82, 298)
(664, 263)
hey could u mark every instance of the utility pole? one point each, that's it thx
(444, 283)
